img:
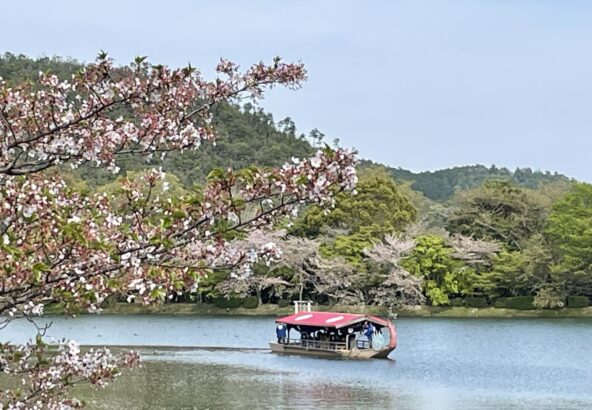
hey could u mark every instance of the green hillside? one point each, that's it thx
(442, 184)
(247, 135)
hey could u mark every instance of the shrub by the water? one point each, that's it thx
(476, 302)
(515, 302)
(456, 302)
(250, 302)
(284, 303)
(231, 303)
(578, 301)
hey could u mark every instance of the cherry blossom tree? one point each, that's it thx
(58, 245)
(320, 277)
(474, 252)
(245, 284)
(301, 255)
(399, 287)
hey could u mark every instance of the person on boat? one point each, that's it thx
(368, 332)
(352, 341)
(320, 337)
(280, 332)
(333, 340)
(351, 338)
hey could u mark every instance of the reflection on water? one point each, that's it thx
(439, 364)
(193, 381)
(180, 385)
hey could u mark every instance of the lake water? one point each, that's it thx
(439, 364)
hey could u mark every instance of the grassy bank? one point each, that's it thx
(412, 311)
(491, 312)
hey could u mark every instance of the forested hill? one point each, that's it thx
(17, 68)
(248, 135)
(442, 184)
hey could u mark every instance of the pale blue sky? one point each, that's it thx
(421, 84)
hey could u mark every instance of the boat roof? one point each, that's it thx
(328, 319)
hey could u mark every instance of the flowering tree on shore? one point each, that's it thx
(58, 245)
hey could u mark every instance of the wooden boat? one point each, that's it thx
(332, 334)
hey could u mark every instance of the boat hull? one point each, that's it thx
(337, 353)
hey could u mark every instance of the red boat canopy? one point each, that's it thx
(329, 319)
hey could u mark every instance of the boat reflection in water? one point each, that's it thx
(331, 334)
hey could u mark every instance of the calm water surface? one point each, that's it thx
(439, 364)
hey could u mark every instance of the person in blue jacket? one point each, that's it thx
(280, 331)
(368, 332)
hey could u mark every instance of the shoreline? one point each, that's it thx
(190, 309)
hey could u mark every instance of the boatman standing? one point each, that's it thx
(280, 331)
(368, 332)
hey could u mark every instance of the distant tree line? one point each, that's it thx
(441, 185)
(500, 245)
